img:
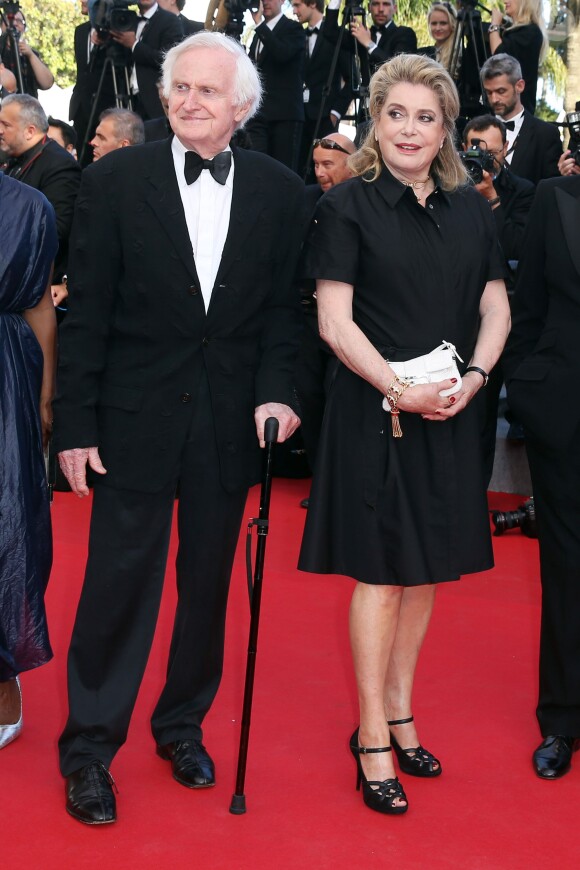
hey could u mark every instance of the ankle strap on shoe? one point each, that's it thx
(400, 721)
(362, 750)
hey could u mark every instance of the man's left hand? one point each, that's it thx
(287, 420)
(127, 38)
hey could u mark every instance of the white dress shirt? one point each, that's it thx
(207, 207)
(512, 135)
(139, 32)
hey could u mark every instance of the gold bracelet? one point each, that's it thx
(394, 392)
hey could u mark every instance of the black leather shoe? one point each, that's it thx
(89, 795)
(553, 757)
(191, 763)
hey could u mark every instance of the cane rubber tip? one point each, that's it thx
(238, 805)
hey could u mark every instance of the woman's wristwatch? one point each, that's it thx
(479, 371)
(493, 28)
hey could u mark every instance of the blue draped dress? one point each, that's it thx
(28, 244)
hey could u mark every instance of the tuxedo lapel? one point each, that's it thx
(569, 207)
(247, 199)
(523, 144)
(165, 201)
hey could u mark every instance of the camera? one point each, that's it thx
(107, 15)
(477, 161)
(573, 124)
(524, 518)
(236, 10)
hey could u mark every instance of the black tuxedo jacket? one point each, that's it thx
(137, 335)
(190, 27)
(162, 31)
(58, 176)
(280, 63)
(542, 359)
(537, 150)
(316, 72)
(516, 196)
(394, 40)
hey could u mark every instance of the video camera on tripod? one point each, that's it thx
(107, 15)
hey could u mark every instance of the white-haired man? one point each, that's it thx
(179, 344)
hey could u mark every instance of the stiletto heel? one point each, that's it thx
(416, 760)
(378, 795)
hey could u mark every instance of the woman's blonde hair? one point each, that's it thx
(531, 12)
(413, 69)
(447, 47)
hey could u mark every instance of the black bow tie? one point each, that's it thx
(509, 125)
(378, 29)
(310, 31)
(219, 166)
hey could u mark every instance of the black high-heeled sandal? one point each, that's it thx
(416, 760)
(378, 795)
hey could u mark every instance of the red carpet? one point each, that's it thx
(474, 703)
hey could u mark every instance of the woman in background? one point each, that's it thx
(27, 359)
(525, 39)
(442, 21)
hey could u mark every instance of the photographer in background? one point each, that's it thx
(35, 74)
(510, 199)
(157, 31)
(277, 50)
(61, 132)
(176, 7)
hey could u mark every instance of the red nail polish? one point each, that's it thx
(453, 380)
(451, 400)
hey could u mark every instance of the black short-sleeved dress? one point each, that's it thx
(413, 510)
(524, 42)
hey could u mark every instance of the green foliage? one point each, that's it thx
(545, 112)
(50, 32)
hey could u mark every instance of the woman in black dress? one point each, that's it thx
(405, 256)
(525, 39)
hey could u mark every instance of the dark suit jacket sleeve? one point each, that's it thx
(403, 42)
(280, 336)
(531, 296)
(283, 43)
(511, 217)
(84, 334)
(60, 185)
(551, 151)
(168, 32)
(345, 94)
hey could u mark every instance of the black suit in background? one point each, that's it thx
(90, 60)
(190, 27)
(167, 392)
(542, 364)
(511, 217)
(55, 173)
(537, 150)
(277, 127)
(161, 32)
(316, 74)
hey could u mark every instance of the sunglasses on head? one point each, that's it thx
(330, 145)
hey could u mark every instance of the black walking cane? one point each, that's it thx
(238, 804)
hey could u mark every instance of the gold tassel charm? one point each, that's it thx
(397, 431)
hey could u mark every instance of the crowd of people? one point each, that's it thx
(200, 287)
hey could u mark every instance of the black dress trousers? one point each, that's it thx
(120, 600)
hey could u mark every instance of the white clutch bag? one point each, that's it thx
(438, 365)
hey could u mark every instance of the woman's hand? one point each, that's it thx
(424, 399)
(496, 16)
(46, 419)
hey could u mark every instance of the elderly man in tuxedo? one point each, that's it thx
(179, 344)
(542, 364)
